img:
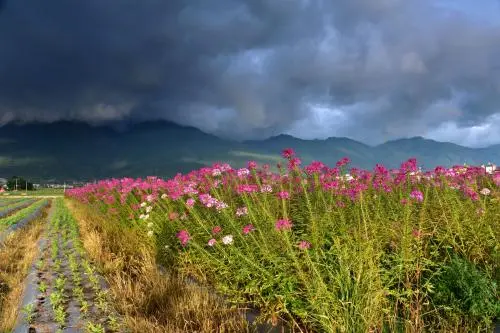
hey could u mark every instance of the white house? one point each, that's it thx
(490, 168)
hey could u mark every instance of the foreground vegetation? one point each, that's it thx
(386, 250)
(16, 256)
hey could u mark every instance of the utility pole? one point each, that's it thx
(26, 188)
(16, 184)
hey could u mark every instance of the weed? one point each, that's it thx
(29, 312)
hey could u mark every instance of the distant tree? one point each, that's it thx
(21, 184)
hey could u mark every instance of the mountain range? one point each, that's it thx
(76, 151)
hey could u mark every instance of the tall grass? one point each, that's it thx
(381, 251)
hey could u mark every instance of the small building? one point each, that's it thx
(490, 168)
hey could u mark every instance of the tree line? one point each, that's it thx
(19, 183)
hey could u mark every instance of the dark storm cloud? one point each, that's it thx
(368, 69)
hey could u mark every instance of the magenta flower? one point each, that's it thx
(416, 233)
(183, 237)
(293, 163)
(283, 195)
(216, 230)
(304, 245)
(342, 162)
(212, 242)
(288, 153)
(248, 228)
(251, 165)
(417, 195)
(283, 224)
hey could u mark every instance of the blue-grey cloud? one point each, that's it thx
(368, 69)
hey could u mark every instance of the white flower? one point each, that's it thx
(143, 204)
(146, 216)
(242, 211)
(141, 217)
(150, 224)
(166, 247)
(216, 172)
(149, 198)
(485, 191)
(266, 188)
(163, 196)
(150, 233)
(149, 209)
(228, 239)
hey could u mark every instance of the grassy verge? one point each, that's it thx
(16, 257)
(148, 300)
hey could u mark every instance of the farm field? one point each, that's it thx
(43, 192)
(305, 249)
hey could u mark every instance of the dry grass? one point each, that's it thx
(16, 257)
(148, 300)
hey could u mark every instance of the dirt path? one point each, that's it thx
(63, 291)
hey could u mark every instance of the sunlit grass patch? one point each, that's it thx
(16, 257)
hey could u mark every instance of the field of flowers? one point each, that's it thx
(326, 249)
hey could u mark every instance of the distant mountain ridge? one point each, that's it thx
(68, 150)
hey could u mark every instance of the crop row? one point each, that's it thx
(8, 201)
(9, 209)
(22, 214)
(21, 218)
(70, 292)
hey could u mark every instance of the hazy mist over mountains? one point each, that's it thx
(67, 151)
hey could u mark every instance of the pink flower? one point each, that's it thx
(216, 230)
(243, 172)
(251, 165)
(342, 162)
(283, 195)
(190, 202)
(304, 245)
(212, 242)
(293, 163)
(496, 178)
(315, 167)
(404, 201)
(416, 233)
(183, 237)
(173, 215)
(247, 229)
(417, 195)
(288, 153)
(283, 224)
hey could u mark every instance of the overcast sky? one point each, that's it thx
(371, 70)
